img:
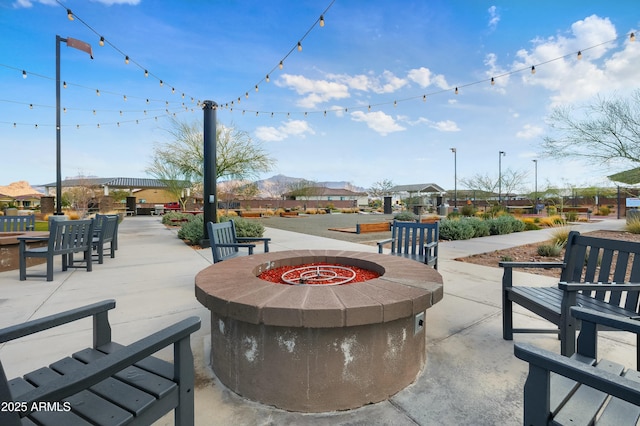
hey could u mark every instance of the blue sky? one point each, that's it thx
(373, 53)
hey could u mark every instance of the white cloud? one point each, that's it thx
(529, 132)
(29, 3)
(377, 121)
(445, 126)
(299, 128)
(425, 78)
(387, 82)
(315, 91)
(571, 79)
(494, 17)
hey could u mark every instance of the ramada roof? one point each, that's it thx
(117, 182)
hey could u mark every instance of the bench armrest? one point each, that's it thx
(545, 361)
(26, 239)
(266, 241)
(531, 264)
(599, 287)
(630, 324)
(431, 244)
(104, 367)
(239, 245)
(37, 325)
(383, 242)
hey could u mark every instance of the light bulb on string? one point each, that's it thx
(369, 108)
(246, 95)
(70, 14)
(64, 84)
(24, 74)
(533, 69)
(579, 54)
(299, 47)
(267, 78)
(146, 73)
(632, 37)
(101, 42)
(30, 106)
(161, 83)
(125, 97)
(173, 90)
(126, 60)
(281, 65)
(456, 92)
(322, 20)
(256, 87)
(97, 92)
(493, 82)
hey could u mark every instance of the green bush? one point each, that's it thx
(192, 232)
(456, 230)
(480, 227)
(505, 224)
(531, 226)
(405, 216)
(245, 228)
(550, 250)
(453, 215)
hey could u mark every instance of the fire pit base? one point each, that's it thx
(316, 369)
(318, 348)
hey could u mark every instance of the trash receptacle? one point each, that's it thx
(633, 214)
(443, 209)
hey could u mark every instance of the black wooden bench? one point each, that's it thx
(592, 275)
(413, 240)
(17, 223)
(105, 232)
(225, 244)
(581, 390)
(66, 237)
(107, 384)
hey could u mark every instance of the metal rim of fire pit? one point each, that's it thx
(318, 275)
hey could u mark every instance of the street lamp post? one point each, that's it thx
(500, 155)
(85, 47)
(455, 179)
(535, 162)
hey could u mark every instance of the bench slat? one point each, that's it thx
(619, 412)
(153, 384)
(86, 404)
(586, 402)
(132, 399)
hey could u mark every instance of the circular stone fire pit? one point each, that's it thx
(315, 348)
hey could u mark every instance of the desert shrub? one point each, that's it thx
(560, 236)
(405, 216)
(633, 225)
(468, 210)
(549, 250)
(531, 226)
(480, 227)
(604, 211)
(192, 232)
(552, 211)
(246, 228)
(571, 216)
(456, 230)
(505, 224)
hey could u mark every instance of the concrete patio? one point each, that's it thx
(471, 375)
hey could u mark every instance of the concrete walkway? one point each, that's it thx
(471, 375)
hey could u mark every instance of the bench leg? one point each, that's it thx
(50, 267)
(23, 261)
(507, 305)
(184, 413)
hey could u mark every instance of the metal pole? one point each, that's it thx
(535, 162)
(209, 192)
(455, 179)
(58, 136)
(500, 154)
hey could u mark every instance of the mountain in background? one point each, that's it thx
(277, 185)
